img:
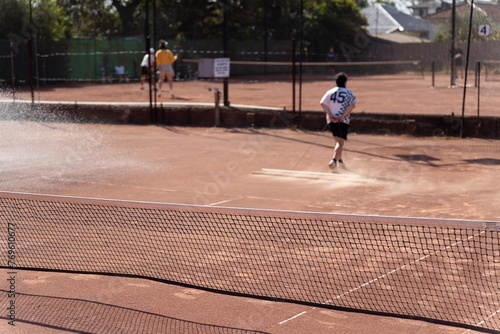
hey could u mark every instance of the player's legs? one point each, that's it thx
(160, 82)
(339, 147)
(339, 132)
(143, 76)
(459, 70)
(335, 130)
(169, 74)
(170, 83)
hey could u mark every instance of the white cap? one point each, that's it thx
(151, 50)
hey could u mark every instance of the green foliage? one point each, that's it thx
(462, 29)
(386, 2)
(130, 13)
(91, 18)
(48, 20)
(333, 22)
(320, 23)
(13, 17)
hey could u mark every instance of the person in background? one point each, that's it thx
(330, 55)
(458, 59)
(147, 67)
(164, 60)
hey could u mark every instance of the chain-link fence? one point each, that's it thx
(426, 66)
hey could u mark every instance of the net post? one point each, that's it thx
(475, 74)
(216, 110)
(12, 71)
(433, 71)
(478, 85)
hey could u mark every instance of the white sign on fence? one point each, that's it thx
(221, 67)
(214, 67)
(484, 30)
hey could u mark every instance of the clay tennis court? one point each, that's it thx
(375, 94)
(276, 169)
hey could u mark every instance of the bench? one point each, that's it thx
(121, 74)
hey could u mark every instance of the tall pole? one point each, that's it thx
(266, 28)
(301, 53)
(12, 71)
(452, 48)
(95, 13)
(155, 38)
(148, 46)
(30, 57)
(155, 106)
(224, 43)
(462, 121)
(293, 76)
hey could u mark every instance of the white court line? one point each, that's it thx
(483, 321)
(59, 179)
(343, 175)
(392, 272)
(142, 104)
(226, 201)
(299, 174)
(291, 318)
(404, 266)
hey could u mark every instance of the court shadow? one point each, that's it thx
(179, 98)
(84, 316)
(484, 161)
(314, 142)
(419, 158)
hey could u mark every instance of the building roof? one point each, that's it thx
(383, 19)
(401, 37)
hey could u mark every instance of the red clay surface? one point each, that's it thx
(277, 169)
(412, 94)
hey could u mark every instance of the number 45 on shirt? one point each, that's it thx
(338, 97)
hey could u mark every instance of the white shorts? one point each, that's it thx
(166, 69)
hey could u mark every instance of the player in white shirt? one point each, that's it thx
(148, 66)
(338, 104)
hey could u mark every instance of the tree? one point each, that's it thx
(331, 23)
(189, 19)
(14, 16)
(321, 24)
(130, 16)
(91, 18)
(325, 22)
(48, 20)
(462, 28)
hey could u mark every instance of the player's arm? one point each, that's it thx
(327, 111)
(172, 57)
(348, 112)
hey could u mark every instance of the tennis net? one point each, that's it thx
(491, 70)
(275, 70)
(444, 270)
